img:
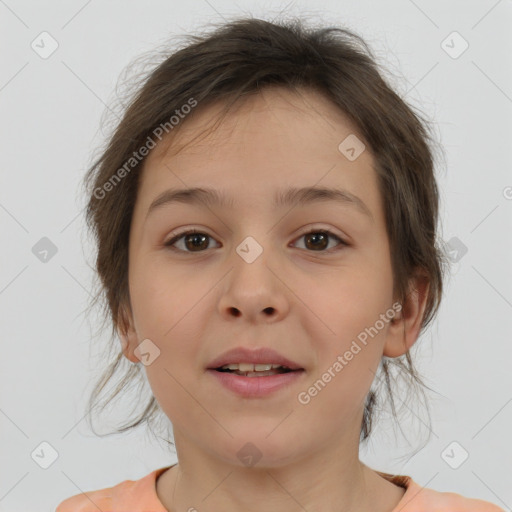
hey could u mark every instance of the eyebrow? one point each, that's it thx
(301, 196)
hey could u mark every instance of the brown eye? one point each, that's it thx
(318, 240)
(194, 241)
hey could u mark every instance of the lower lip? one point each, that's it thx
(255, 387)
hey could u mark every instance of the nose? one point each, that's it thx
(268, 311)
(254, 292)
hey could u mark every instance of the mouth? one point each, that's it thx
(255, 381)
(253, 362)
(256, 370)
(255, 373)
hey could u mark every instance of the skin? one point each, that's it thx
(195, 305)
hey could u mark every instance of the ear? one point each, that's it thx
(404, 328)
(127, 333)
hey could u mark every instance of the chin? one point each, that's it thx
(254, 448)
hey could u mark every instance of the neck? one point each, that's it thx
(326, 481)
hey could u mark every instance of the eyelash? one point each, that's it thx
(177, 237)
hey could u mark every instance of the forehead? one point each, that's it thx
(272, 140)
(304, 112)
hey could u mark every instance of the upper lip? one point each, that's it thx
(255, 356)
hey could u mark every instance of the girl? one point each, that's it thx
(266, 218)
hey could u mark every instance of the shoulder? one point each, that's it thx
(137, 495)
(423, 499)
(88, 502)
(419, 499)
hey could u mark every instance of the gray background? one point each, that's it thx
(50, 127)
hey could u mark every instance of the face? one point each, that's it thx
(305, 294)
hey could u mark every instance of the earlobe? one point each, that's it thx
(127, 349)
(128, 344)
(405, 327)
(127, 335)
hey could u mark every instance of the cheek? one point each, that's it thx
(348, 324)
(161, 296)
(351, 299)
(173, 374)
(171, 388)
(165, 307)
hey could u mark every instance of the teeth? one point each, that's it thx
(249, 367)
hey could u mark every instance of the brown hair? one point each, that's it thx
(239, 58)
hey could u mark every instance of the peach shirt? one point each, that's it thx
(140, 496)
